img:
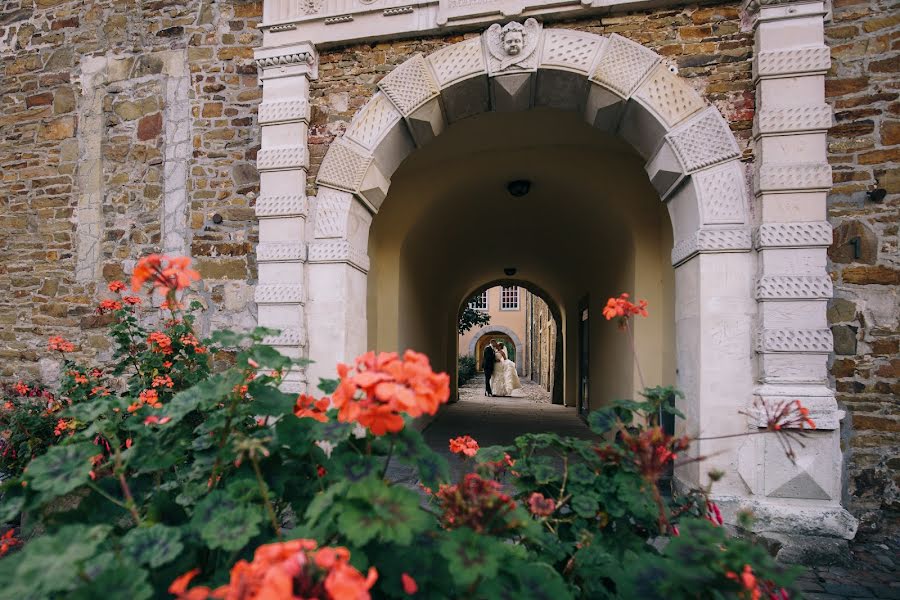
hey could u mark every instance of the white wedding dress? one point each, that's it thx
(505, 379)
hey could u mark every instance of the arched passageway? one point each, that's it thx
(591, 226)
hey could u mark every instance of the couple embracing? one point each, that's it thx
(500, 376)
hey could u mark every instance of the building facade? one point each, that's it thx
(507, 307)
(274, 142)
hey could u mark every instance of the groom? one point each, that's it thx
(490, 359)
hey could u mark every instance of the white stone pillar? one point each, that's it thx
(337, 277)
(791, 181)
(282, 207)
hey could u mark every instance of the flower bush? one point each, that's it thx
(158, 476)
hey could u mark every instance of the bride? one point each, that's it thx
(505, 379)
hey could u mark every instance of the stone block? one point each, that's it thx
(853, 242)
(844, 339)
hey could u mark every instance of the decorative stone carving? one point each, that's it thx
(823, 409)
(280, 251)
(294, 336)
(282, 158)
(284, 111)
(794, 287)
(279, 293)
(513, 46)
(570, 50)
(311, 7)
(792, 61)
(712, 241)
(722, 194)
(373, 122)
(343, 167)
(410, 85)
(814, 341)
(792, 119)
(332, 208)
(293, 58)
(794, 235)
(792, 177)
(458, 62)
(282, 206)
(704, 140)
(669, 96)
(400, 10)
(623, 65)
(338, 251)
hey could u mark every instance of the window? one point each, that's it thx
(479, 302)
(509, 298)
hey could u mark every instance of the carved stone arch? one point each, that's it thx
(488, 329)
(618, 85)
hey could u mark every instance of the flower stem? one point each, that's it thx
(126, 491)
(264, 490)
(637, 363)
(387, 460)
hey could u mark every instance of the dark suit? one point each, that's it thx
(490, 359)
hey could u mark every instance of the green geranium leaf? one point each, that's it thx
(539, 468)
(119, 580)
(62, 469)
(266, 357)
(224, 523)
(410, 448)
(328, 386)
(470, 556)
(215, 389)
(539, 581)
(52, 563)
(584, 506)
(331, 431)
(153, 546)
(269, 400)
(388, 513)
(10, 506)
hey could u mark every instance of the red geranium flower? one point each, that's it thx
(540, 505)
(378, 389)
(464, 445)
(409, 584)
(169, 273)
(622, 307)
(116, 286)
(57, 342)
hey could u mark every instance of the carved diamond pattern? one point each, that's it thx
(288, 337)
(338, 251)
(332, 209)
(814, 341)
(373, 122)
(722, 192)
(343, 167)
(282, 158)
(816, 117)
(279, 293)
(712, 241)
(810, 59)
(410, 85)
(458, 61)
(703, 141)
(570, 49)
(623, 64)
(669, 96)
(295, 109)
(280, 251)
(281, 206)
(798, 176)
(794, 287)
(791, 235)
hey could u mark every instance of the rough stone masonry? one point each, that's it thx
(128, 129)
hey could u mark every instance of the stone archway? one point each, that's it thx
(750, 303)
(491, 330)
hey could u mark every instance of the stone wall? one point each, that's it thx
(125, 129)
(864, 149)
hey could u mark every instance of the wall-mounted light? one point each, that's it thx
(509, 271)
(518, 188)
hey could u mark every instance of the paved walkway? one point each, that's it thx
(496, 421)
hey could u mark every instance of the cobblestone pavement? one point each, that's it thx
(871, 572)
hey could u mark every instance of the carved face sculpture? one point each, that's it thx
(513, 42)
